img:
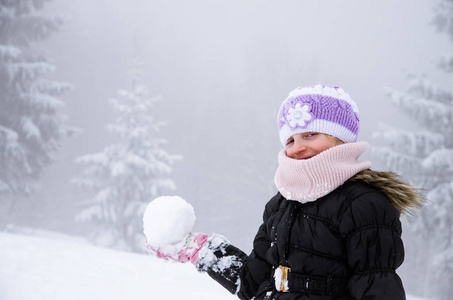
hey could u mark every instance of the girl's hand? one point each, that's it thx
(186, 250)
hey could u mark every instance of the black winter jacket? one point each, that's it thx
(345, 245)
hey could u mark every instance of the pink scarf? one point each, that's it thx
(306, 180)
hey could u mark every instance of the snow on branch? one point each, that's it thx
(441, 160)
(8, 52)
(418, 143)
(398, 162)
(42, 101)
(30, 129)
(8, 135)
(439, 200)
(53, 88)
(89, 213)
(429, 112)
(9, 141)
(31, 70)
(421, 87)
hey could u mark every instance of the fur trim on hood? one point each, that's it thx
(402, 195)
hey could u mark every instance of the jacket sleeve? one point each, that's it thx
(239, 273)
(374, 247)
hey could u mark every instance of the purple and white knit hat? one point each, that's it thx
(319, 108)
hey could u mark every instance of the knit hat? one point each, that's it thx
(320, 108)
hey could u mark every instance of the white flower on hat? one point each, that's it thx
(299, 115)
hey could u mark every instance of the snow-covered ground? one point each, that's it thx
(56, 267)
(53, 267)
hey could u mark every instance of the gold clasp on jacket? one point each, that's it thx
(284, 278)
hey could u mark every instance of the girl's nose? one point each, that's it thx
(299, 146)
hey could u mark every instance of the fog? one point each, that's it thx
(222, 69)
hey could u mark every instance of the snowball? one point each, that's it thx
(168, 220)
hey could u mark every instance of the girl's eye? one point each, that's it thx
(290, 141)
(311, 134)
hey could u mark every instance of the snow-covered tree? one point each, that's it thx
(127, 175)
(425, 157)
(31, 122)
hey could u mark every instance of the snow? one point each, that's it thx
(168, 220)
(62, 267)
(48, 266)
(208, 256)
(29, 128)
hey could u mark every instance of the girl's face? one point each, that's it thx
(308, 144)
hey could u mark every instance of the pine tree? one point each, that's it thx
(32, 125)
(127, 175)
(425, 157)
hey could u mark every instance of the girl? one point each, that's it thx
(333, 229)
